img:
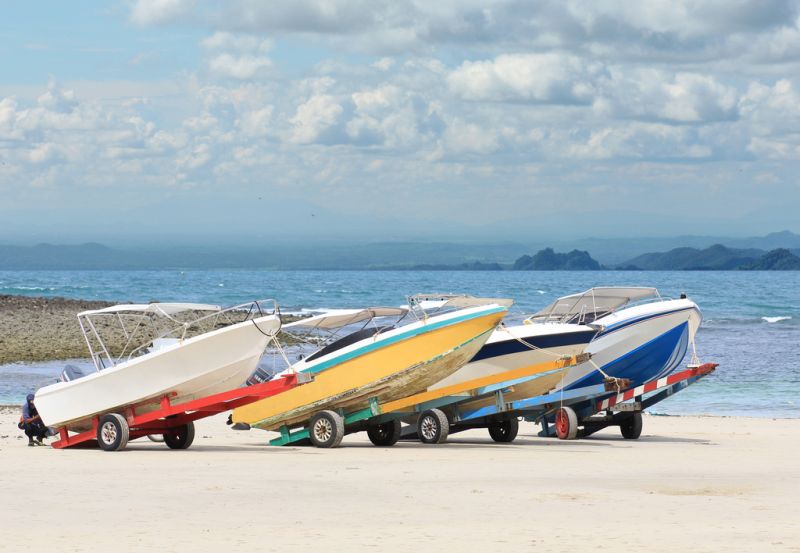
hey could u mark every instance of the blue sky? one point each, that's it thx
(404, 119)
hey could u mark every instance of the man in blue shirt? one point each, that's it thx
(32, 423)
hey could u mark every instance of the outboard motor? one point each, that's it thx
(259, 375)
(71, 372)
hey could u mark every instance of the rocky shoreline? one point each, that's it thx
(42, 329)
(46, 329)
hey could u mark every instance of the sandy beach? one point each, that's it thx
(690, 483)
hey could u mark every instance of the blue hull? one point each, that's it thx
(655, 359)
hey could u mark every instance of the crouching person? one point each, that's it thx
(32, 423)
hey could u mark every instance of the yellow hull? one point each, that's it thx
(390, 372)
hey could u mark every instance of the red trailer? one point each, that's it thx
(112, 431)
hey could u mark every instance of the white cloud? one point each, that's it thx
(237, 42)
(463, 137)
(655, 94)
(313, 117)
(155, 12)
(550, 78)
(239, 67)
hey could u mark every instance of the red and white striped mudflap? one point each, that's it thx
(654, 385)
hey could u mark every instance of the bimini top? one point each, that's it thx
(337, 318)
(455, 301)
(591, 304)
(157, 308)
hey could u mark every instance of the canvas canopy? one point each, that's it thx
(337, 318)
(431, 301)
(594, 300)
(158, 308)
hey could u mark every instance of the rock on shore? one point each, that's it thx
(41, 329)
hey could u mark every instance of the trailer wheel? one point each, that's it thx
(566, 423)
(433, 427)
(326, 429)
(631, 427)
(158, 438)
(180, 437)
(112, 432)
(504, 431)
(384, 434)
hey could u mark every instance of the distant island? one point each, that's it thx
(549, 260)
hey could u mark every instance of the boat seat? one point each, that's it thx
(71, 372)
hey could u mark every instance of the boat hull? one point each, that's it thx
(522, 346)
(640, 343)
(210, 363)
(384, 372)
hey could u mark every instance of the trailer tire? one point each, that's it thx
(180, 437)
(566, 423)
(631, 428)
(433, 427)
(112, 432)
(384, 434)
(326, 429)
(504, 431)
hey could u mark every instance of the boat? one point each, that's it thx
(631, 336)
(642, 335)
(510, 348)
(361, 357)
(144, 353)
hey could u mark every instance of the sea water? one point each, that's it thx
(751, 324)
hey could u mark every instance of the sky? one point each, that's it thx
(252, 120)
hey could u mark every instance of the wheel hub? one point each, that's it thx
(428, 428)
(323, 430)
(562, 422)
(109, 433)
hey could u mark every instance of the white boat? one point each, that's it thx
(642, 336)
(205, 349)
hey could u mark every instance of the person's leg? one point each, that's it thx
(29, 432)
(40, 431)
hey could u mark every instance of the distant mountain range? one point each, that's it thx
(714, 258)
(776, 251)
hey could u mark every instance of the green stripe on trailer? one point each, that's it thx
(288, 437)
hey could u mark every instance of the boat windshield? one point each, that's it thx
(121, 332)
(586, 307)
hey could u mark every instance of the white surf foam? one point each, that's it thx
(775, 319)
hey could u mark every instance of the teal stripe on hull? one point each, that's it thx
(394, 339)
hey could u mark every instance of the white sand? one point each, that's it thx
(693, 484)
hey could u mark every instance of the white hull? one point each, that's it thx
(210, 363)
(629, 330)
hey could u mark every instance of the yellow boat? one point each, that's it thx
(371, 365)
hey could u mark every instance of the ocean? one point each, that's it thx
(751, 324)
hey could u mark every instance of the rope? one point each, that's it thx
(528, 344)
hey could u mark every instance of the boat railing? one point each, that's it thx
(101, 353)
(587, 315)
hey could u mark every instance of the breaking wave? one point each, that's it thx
(775, 319)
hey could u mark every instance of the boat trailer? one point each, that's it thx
(381, 420)
(175, 422)
(576, 413)
(580, 419)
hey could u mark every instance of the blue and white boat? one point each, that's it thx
(641, 337)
